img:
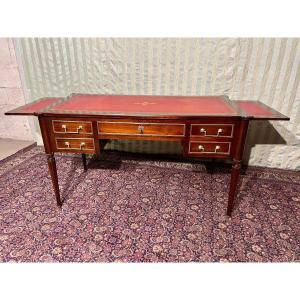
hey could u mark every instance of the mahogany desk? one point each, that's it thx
(207, 126)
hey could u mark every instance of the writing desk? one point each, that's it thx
(207, 126)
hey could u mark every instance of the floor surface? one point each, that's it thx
(128, 208)
(9, 147)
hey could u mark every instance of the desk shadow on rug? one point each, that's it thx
(72, 179)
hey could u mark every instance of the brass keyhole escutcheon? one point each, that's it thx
(141, 129)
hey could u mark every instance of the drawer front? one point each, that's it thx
(141, 129)
(75, 144)
(212, 130)
(77, 127)
(209, 148)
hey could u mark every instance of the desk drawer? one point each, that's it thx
(77, 127)
(215, 148)
(212, 130)
(77, 144)
(141, 129)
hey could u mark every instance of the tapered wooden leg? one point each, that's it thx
(84, 161)
(240, 138)
(235, 174)
(53, 173)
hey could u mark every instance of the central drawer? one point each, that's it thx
(141, 129)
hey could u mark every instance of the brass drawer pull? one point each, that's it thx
(64, 126)
(201, 148)
(202, 130)
(220, 130)
(81, 146)
(141, 129)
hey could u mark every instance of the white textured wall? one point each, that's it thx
(11, 94)
(260, 69)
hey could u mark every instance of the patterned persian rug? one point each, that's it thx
(130, 208)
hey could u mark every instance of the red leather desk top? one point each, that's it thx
(255, 108)
(146, 105)
(33, 107)
(124, 105)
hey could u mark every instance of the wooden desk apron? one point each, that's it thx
(207, 126)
